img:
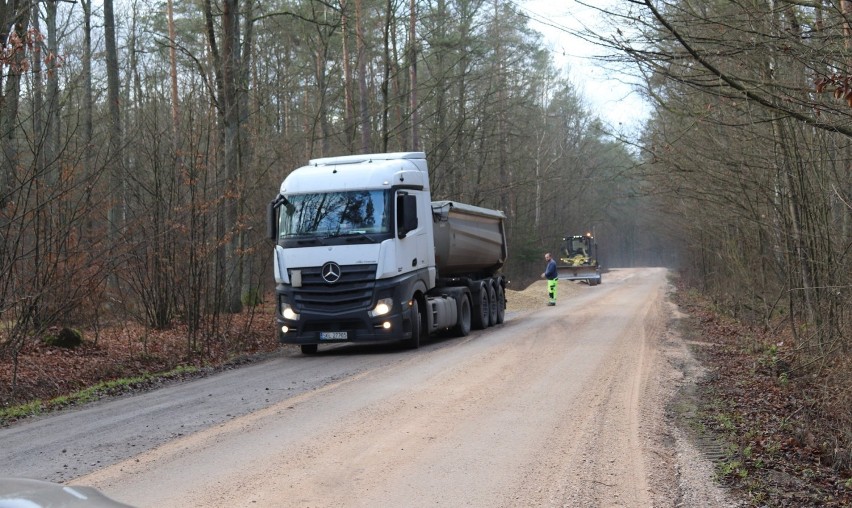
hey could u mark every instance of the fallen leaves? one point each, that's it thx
(777, 418)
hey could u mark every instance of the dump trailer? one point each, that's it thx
(578, 259)
(363, 255)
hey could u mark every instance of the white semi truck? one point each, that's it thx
(363, 255)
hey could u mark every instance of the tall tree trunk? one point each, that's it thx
(846, 12)
(320, 59)
(386, 34)
(173, 77)
(39, 118)
(133, 80)
(226, 111)
(412, 70)
(246, 143)
(52, 117)
(502, 137)
(348, 104)
(88, 123)
(398, 131)
(116, 152)
(461, 120)
(232, 162)
(366, 128)
(14, 16)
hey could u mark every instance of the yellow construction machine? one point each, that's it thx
(578, 259)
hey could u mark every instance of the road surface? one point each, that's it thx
(559, 406)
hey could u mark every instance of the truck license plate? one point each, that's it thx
(334, 335)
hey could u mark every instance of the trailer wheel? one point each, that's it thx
(309, 349)
(501, 302)
(492, 305)
(462, 328)
(481, 312)
(416, 327)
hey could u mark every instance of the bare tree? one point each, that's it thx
(116, 138)
(412, 70)
(361, 63)
(14, 43)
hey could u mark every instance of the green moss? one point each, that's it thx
(68, 338)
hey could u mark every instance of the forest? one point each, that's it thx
(142, 141)
(746, 161)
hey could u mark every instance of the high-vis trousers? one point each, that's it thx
(551, 290)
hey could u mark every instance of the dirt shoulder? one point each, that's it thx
(773, 438)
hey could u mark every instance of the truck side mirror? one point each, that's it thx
(272, 219)
(272, 215)
(406, 214)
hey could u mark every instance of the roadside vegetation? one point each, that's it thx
(99, 390)
(746, 161)
(774, 426)
(120, 360)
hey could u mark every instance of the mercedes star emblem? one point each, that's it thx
(330, 272)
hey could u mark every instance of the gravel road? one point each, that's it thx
(559, 406)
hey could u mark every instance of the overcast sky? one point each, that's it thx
(607, 95)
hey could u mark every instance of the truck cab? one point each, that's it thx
(353, 243)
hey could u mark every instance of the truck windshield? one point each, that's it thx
(334, 214)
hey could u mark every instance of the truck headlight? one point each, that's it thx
(288, 312)
(383, 306)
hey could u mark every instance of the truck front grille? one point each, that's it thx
(353, 291)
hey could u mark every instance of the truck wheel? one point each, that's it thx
(416, 327)
(309, 349)
(492, 305)
(462, 328)
(480, 308)
(501, 302)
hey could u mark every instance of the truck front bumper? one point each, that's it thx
(582, 272)
(355, 326)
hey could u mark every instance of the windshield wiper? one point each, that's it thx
(301, 238)
(358, 236)
(308, 241)
(351, 236)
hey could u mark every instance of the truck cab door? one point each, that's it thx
(412, 240)
(406, 214)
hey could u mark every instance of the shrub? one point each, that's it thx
(68, 338)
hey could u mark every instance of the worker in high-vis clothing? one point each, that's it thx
(551, 275)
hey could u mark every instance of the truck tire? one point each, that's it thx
(501, 302)
(416, 327)
(480, 308)
(492, 304)
(309, 349)
(462, 328)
